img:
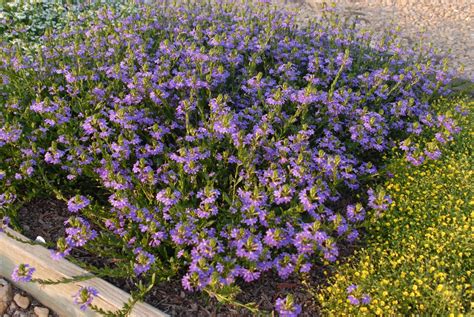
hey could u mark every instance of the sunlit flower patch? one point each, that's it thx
(213, 142)
(417, 259)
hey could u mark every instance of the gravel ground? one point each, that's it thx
(16, 303)
(448, 24)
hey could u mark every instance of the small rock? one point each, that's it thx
(5, 295)
(40, 239)
(21, 301)
(12, 307)
(41, 311)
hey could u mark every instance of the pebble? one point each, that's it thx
(16, 303)
(41, 311)
(21, 301)
(5, 295)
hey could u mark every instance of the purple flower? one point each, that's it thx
(353, 300)
(77, 203)
(58, 255)
(62, 249)
(342, 228)
(23, 273)
(4, 223)
(355, 213)
(168, 197)
(353, 235)
(190, 158)
(143, 261)
(440, 137)
(187, 280)
(85, 296)
(286, 307)
(7, 198)
(283, 195)
(275, 238)
(434, 154)
(378, 201)
(10, 133)
(366, 299)
(249, 275)
(194, 281)
(351, 288)
(54, 156)
(284, 265)
(249, 248)
(43, 107)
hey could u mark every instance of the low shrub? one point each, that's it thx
(417, 258)
(24, 22)
(28, 20)
(213, 141)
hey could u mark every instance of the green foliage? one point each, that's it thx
(24, 22)
(418, 260)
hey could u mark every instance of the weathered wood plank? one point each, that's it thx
(59, 297)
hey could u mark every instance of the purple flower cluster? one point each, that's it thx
(143, 261)
(225, 136)
(78, 233)
(378, 201)
(365, 299)
(77, 203)
(23, 273)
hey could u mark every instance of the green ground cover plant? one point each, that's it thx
(418, 258)
(24, 22)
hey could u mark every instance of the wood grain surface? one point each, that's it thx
(60, 297)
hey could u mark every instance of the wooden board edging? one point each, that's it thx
(60, 297)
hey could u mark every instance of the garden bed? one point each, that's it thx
(169, 297)
(58, 297)
(203, 154)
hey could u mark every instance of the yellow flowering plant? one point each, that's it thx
(418, 256)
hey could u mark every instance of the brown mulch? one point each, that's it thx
(45, 217)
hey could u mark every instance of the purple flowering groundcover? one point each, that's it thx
(212, 142)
